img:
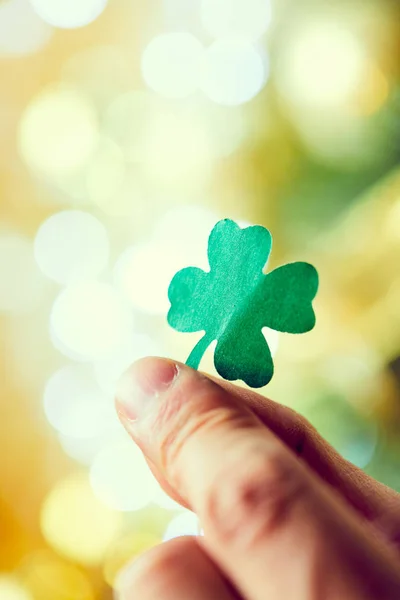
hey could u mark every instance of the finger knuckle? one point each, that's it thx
(254, 498)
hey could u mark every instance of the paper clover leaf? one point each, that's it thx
(235, 299)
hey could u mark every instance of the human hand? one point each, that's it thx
(284, 516)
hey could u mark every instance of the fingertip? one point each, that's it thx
(144, 379)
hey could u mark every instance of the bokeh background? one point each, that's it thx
(127, 129)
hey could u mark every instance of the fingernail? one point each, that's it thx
(142, 385)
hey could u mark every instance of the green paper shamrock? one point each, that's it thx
(235, 300)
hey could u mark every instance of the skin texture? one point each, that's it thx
(284, 516)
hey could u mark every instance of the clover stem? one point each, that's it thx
(198, 351)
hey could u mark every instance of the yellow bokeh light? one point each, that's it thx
(143, 272)
(373, 94)
(105, 174)
(227, 128)
(345, 140)
(177, 151)
(12, 589)
(127, 120)
(172, 63)
(58, 132)
(76, 524)
(49, 577)
(393, 222)
(128, 199)
(248, 19)
(71, 14)
(188, 227)
(322, 65)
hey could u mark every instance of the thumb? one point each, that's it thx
(270, 524)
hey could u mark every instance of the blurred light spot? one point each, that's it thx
(129, 199)
(121, 478)
(177, 150)
(75, 405)
(344, 141)
(245, 18)
(125, 550)
(162, 499)
(373, 94)
(143, 272)
(65, 350)
(12, 589)
(57, 132)
(85, 450)
(360, 451)
(101, 72)
(234, 72)
(21, 30)
(49, 577)
(105, 174)
(392, 221)
(354, 374)
(272, 338)
(171, 64)
(71, 187)
(322, 65)
(21, 284)
(226, 127)
(170, 142)
(108, 372)
(189, 228)
(76, 524)
(186, 523)
(127, 120)
(70, 14)
(181, 15)
(91, 320)
(244, 224)
(71, 245)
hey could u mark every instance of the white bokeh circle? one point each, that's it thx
(234, 72)
(75, 405)
(246, 19)
(172, 63)
(69, 14)
(22, 31)
(71, 245)
(91, 320)
(121, 478)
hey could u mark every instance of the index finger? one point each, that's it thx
(371, 499)
(257, 502)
